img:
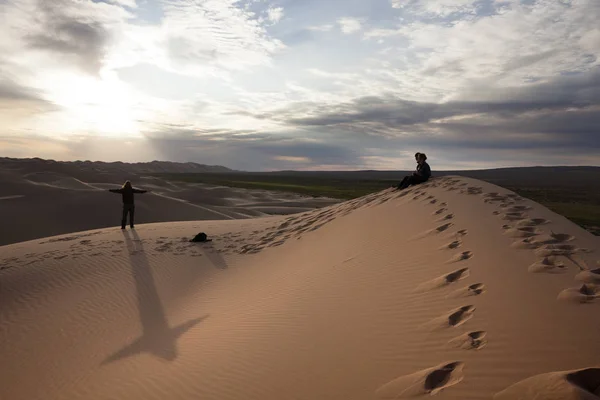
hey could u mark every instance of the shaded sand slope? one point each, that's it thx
(36, 204)
(456, 288)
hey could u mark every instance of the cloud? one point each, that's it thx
(212, 80)
(559, 113)
(72, 33)
(349, 25)
(18, 101)
(274, 14)
(321, 28)
(216, 33)
(85, 41)
(293, 159)
(435, 7)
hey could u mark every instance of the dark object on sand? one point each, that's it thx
(201, 237)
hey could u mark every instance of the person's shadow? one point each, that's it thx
(157, 337)
(213, 255)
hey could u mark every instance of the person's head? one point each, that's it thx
(417, 156)
(127, 185)
(421, 158)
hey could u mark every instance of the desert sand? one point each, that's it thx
(36, 203)
(455, 288)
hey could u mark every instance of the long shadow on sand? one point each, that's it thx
(157, 337)
(213, 255)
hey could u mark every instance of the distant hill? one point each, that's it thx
(83, 169)
(564, 176)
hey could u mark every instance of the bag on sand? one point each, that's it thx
(201, 237)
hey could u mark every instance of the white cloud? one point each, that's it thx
(215, 33)
(437, 7)
(321, 28)
(524, 42)
(349, 25)
(275, 14)
(126, 3)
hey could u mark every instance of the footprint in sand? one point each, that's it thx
(491, 194)
(547, 265)
(575, 384)
(446, 217)
(465, 255)
(532, 222)
(518, 208)
(474, 289)
(452, 245)
(561, 237)
(461, 232)
(433, 201)
(460, 316)
(496, 213)
(428, 381)
(443, 227)
(438, 212)
(585, 293)
(527, 244)
(469, 341)
(443, 280)
(512, 216)
(443, 204)
(452, 319)
(589, 276)
(435, 231)
(524, 232)
(559, 250)
(474, 190)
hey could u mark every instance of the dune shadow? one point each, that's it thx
(157, 338)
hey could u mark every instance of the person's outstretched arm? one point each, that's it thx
(139, 191)
(116, 190)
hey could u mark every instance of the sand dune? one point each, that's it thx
(37, 204)
(381, 297)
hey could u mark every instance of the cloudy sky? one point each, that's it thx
(302, 84)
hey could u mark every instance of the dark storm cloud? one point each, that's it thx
(81, 38)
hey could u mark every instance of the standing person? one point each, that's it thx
(128, 204)
(421, 174)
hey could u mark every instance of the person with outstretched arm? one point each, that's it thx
(127, 192)
(421, 174)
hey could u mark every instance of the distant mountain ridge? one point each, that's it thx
(38, 164)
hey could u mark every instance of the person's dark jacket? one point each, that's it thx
(127, 194)
(423, 171)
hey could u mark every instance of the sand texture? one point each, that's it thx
(456, 288)
(36, 203)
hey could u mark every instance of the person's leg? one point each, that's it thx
(124, 218)
(403, 184)
(416, 179)
(131, 213)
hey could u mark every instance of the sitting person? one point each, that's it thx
(422, 174)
